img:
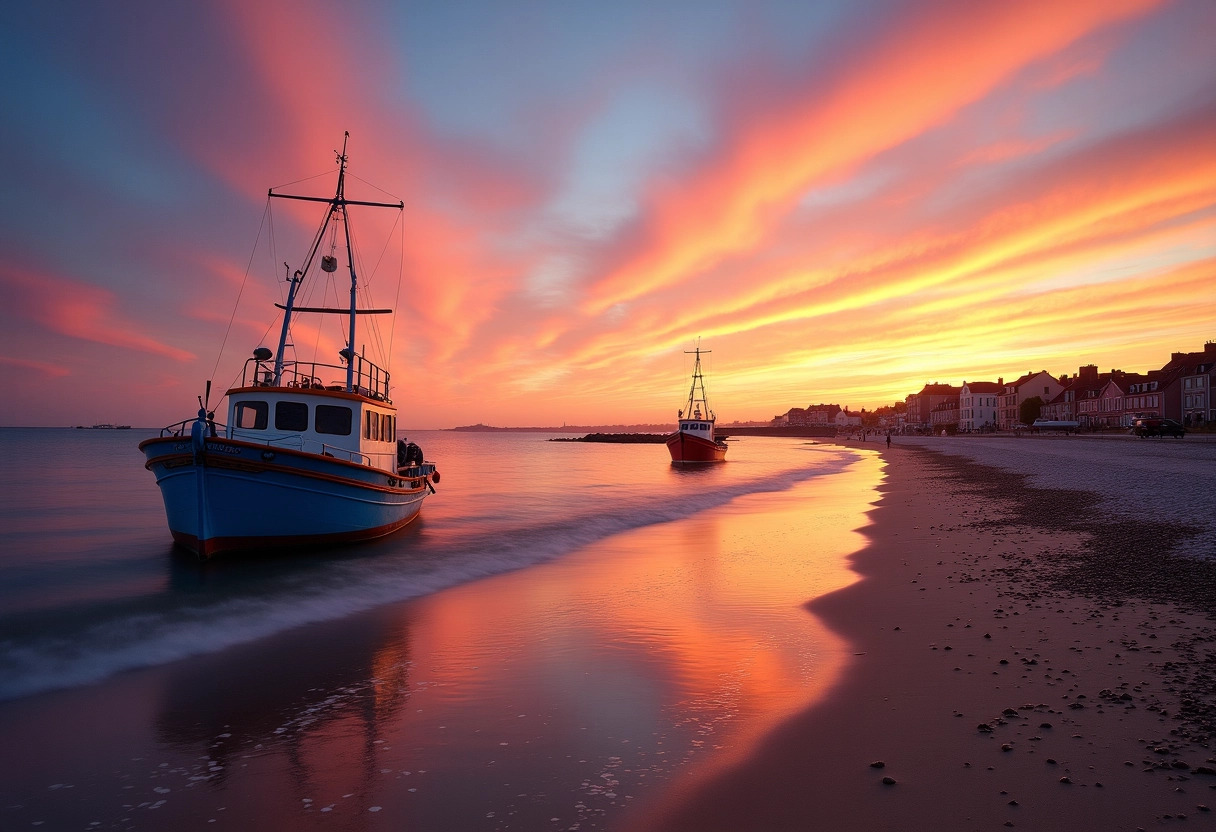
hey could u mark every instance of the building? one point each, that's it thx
(977, 405)
(1041, 384)
(1109, 412)
(846, 420)
(920, 405)
(817, 414)
(1143, 397)
(944, 417)
(1186, 387)
(1063, 407)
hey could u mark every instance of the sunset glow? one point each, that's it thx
(842, 201)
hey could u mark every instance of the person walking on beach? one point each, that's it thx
(888, 440)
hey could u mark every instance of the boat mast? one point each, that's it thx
(340, 199)
(337, 208)
(698, 382)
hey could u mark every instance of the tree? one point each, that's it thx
(1029, 410)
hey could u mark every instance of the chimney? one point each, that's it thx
(1000, 380)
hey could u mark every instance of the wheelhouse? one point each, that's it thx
(342, 425)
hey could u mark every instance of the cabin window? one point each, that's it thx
(333, 420)
(386, 427)
(291, 416)
(251, 415)
(371, 425)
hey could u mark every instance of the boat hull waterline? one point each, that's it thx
(251, 496)
(686, 448)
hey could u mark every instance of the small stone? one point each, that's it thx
(1066, 780)
(877, 764)
(889, 781)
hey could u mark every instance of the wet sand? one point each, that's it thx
(1022, 658)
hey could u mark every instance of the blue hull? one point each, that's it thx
(243, 495)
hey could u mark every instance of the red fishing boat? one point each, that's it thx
(694, 440)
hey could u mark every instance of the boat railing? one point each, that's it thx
(353, 456)
(183, 428)
(370, 379)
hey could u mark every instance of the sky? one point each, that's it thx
(840, 201)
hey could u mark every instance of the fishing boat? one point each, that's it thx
(309, 454)
(694, 440)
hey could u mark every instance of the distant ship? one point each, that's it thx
(694, 440)
(105, 426)
(309, 454)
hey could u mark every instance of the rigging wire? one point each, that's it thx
(400, 226)
(244, 281)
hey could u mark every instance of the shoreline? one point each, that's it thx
(1003, 675)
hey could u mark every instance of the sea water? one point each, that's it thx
(568, 636)
(91, 585)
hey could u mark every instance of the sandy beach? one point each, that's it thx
(1026, 657)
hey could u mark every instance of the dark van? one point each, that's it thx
(1158, 427)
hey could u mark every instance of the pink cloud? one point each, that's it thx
(40, 368)
(78, 310)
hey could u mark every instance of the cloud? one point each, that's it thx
(40, 368)
(921, 73)
(78, 310)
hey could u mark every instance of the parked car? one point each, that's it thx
(1158, 427)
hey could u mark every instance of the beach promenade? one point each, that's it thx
(1033, 644)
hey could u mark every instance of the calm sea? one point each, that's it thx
(90, 584)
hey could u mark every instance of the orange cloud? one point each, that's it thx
(917, 78)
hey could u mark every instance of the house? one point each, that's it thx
(1186, 387)
(1041, 384)
(818, 414)
(1063, 407)
(822, 414)
(1110, 401)
(845, 419)
(944, 417)
(977, 405)
(920, 405)
(1143, 397)
(1198, 403)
